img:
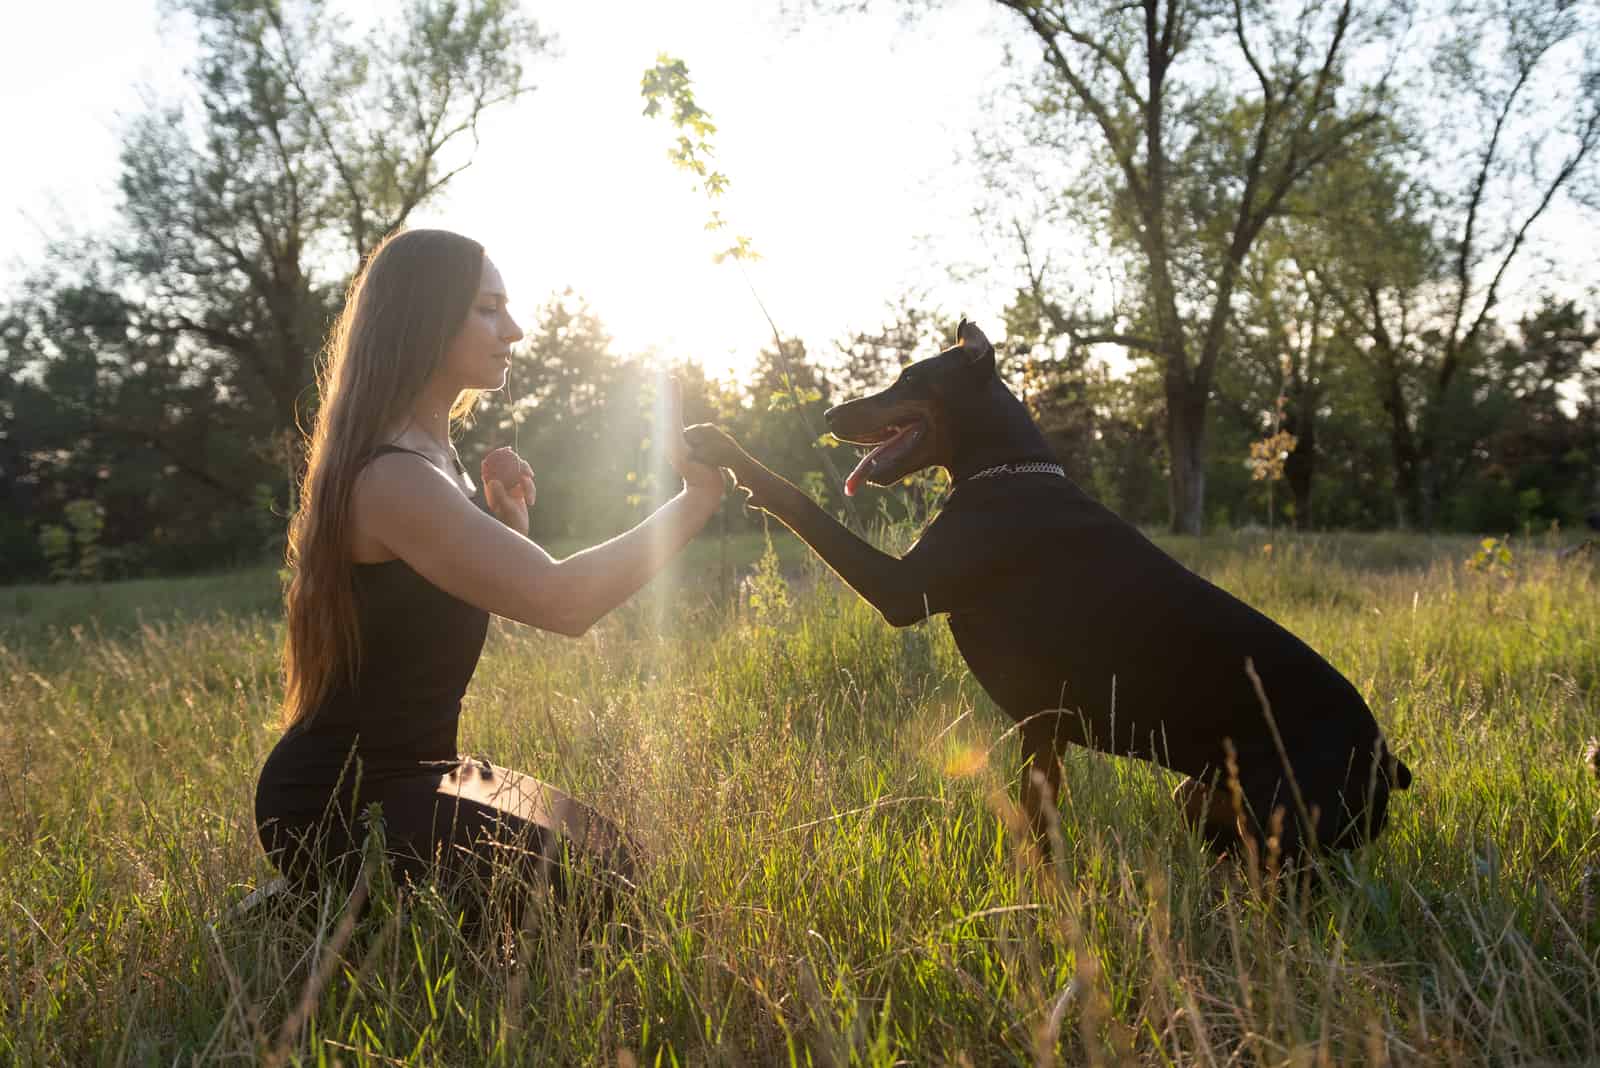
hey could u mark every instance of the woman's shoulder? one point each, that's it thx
(389, 467)
(397, 488)
(432, 456)
(402, 460)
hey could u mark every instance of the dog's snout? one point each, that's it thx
(844, 412)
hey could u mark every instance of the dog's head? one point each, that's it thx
(907, 426)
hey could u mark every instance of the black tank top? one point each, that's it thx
(419, 648)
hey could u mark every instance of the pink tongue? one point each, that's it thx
(852, 482)
(853, 479)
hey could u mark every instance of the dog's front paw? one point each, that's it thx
(710, 444)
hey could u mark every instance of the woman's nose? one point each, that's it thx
(515, 333)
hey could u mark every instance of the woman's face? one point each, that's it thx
(480, 353)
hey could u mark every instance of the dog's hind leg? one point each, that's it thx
(1210, 809)
(1041, 780)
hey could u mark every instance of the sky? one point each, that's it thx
(842, 137)
(845, 138)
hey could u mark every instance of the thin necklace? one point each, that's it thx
(511, 406)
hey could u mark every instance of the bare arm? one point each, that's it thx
(421, 517)
(604, 576)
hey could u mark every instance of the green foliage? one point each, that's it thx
(1184, 171)
(161, 371)
(1427, 263)
(814, 484)
(584, 417)
(789, 400)
(56, 544)
(667, 85)
(788, 392)
(164, 367)
(767, 591)
(1493, 557)
(87, 520)
(73, 551)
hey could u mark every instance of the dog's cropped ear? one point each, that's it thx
(974, 344)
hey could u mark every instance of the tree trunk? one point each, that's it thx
(1407, 489)
(1426, 494)
(1301, 464)
(1186, 442)
(1402, 444)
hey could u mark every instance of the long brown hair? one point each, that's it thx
(403, 309)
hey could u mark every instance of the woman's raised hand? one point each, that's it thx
(697, 476)
(508, 487)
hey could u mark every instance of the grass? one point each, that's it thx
(833, 875)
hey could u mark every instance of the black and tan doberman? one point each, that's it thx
(1078, 626)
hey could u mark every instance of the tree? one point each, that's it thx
(99, 409)
(579, 414)
(871, 359)
(1524, 81)
(1189, 168)
(1293, 334)
(246, 216)
(1537, 460)
(1056, 373)
(787, 395)
(245, 209)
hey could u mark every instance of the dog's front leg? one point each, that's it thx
(1041, 779)
(903, 590)
(890, 584)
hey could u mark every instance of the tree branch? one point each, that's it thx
(1086, 95)
(1104, 54)
(352, 186)
(1249, 55)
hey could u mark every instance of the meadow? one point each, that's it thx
(833, 871)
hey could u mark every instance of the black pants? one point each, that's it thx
(463, 826)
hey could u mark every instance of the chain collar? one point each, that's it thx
(1018, 469)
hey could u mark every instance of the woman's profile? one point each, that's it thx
(398, 562)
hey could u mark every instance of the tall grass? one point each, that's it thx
(834, 874)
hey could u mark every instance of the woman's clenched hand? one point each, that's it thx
(508, 487)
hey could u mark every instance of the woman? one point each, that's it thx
(398, 564)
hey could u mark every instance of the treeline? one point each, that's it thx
(1302, 263)
(85, 502)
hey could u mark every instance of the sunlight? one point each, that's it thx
(594, 204)
(625, 234)
(665, 419)
(571, 187)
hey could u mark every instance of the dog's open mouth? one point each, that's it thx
(889, 446)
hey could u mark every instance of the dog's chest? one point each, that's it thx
(1038, 612)
(1015, 653)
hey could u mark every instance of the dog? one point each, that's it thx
(1080, 628)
